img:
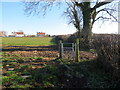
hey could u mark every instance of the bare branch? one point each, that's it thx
(37, 7)
(111, 15)
(79, 4)
(106, 10)
(101, 17)
(73, 14)
(102, 3)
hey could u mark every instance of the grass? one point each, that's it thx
(60, 74)
(27, 41)
(41, 78)
(85, 74)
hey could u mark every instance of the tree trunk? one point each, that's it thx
(77, 51)
(87, 25)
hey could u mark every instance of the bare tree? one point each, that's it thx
(75, 16)
(85, 14)
(90, 13)
(82, 13)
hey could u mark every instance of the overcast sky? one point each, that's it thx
(54, 23)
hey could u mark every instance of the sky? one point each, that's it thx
(13, 19)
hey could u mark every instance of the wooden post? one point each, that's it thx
(73, 51)
(77, 51)
(62, 51)
(60, 48)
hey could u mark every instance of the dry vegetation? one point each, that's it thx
(108, 50)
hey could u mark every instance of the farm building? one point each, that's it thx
(40, 34)
(2, 34)
(18, 34)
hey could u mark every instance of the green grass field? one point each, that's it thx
(28, 41)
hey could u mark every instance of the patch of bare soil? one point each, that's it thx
(49, 53)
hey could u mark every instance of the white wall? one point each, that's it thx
(19, 35)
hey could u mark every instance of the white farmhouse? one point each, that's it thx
(18, 34)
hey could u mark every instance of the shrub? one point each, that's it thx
(107, 48)
(64, 38)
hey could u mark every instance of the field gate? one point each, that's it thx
(68, 51)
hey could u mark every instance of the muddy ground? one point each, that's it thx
(49, 52)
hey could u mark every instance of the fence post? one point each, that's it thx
(73, 51)
(77, 51)
(60, 48)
